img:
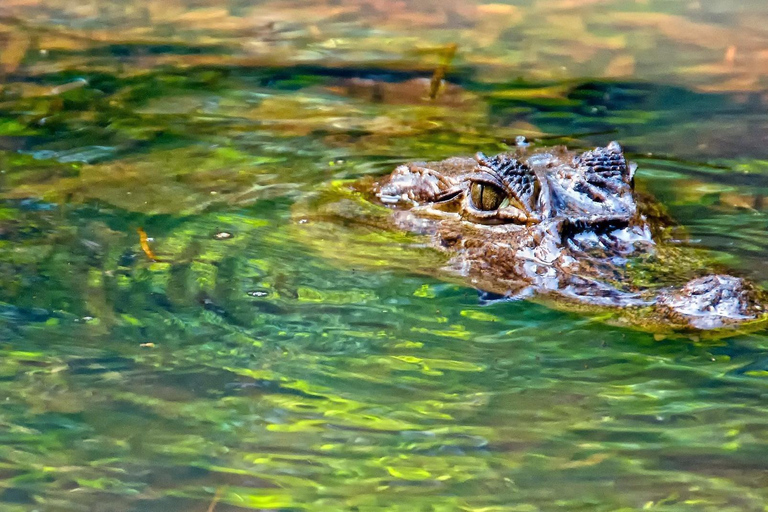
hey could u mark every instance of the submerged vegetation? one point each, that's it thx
(169, 344)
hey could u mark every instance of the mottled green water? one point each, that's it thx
(244, 370)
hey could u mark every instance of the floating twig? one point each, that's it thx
(439, 74)
(216, 499)
(144, 241)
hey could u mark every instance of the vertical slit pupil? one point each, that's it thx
(486, 197)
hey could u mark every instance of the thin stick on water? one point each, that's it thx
(216, 499)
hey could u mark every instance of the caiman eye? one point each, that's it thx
(486, 197)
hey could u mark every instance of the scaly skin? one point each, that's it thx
(562, 228)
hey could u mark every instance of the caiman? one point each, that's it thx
(550, 225)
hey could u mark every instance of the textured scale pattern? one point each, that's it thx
(520, 178)
(605, 167)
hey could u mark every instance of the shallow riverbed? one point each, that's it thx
(168, 344)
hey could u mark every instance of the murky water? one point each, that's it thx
(244, 370)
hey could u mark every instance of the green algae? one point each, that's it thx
(264, 364)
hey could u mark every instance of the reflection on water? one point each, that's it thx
(243, 370)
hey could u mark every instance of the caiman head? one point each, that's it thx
(529, 221)
(560, 227)
(518, 189)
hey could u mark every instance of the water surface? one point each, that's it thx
(244, 370)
